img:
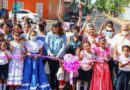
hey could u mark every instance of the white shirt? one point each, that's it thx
(3, 57)
(110, 43)
(120, 41)
(124, 60)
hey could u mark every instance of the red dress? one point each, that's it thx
(101, 79)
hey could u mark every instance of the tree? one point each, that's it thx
(111, 5)
(100, 4)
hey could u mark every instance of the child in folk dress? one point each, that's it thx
(101, 78)
(34, 77)
(85, 72)
(15, 74)
(123, 74)
(4, 60)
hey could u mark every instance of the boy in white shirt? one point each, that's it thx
(123, 75)
(4, 58)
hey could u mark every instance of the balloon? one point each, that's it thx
(71, 63)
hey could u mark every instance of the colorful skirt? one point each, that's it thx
(34, 77)
(101, 78)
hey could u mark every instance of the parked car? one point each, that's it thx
(33, 17)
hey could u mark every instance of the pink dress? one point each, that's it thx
(101, 79)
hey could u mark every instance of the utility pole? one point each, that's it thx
(15, 11)
(1, 4)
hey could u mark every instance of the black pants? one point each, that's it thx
(53, 66)
(113, 66)
(122, 80)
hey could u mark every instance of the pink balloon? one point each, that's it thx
(71, 63)
(68, 57)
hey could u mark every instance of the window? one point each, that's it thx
(5, 4)
(20, 5)
(39, 9)
(24, 12)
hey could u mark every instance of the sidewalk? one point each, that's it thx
(117, 20)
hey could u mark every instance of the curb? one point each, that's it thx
(117, 20)
(50, 20)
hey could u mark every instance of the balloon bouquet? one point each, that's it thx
(71, 65)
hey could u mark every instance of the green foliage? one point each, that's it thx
(111, 5)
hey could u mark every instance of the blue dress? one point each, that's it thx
(34, 77)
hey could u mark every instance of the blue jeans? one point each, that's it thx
(122, 80)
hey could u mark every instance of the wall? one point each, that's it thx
(49, 6)
(126, 14)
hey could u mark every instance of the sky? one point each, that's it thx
(93, 1)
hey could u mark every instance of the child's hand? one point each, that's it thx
(6, 53)
(51, 55)
(115, 57)
(33, 27)
(78, 51)
(29, 54)
(36, 57)
(22, 58)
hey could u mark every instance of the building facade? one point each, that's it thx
(126, 14)
(45, 8)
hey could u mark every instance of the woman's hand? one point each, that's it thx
(102, 26)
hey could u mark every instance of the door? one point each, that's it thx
(39, 9)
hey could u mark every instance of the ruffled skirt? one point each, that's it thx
(34, 77)
(101, 78)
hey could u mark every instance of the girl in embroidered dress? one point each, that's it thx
(87, 58)
(101, 79)
(16, 64)
(34, 77)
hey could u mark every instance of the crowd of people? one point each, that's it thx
(25, 49)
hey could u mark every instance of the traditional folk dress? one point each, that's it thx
(101, 78)
(34, 77)
(15, 73)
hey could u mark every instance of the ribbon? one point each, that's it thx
(71, 78)
(71, 63)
